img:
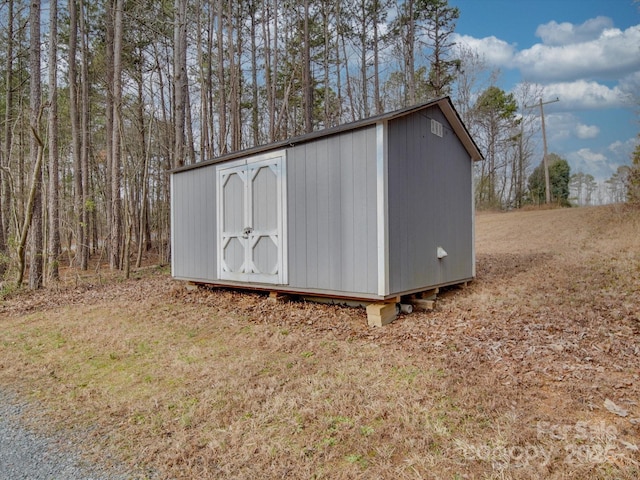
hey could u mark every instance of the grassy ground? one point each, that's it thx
(532, 371)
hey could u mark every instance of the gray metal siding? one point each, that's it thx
(429, 204)
(332, 213)
(193, 206)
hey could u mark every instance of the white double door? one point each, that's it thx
(251, 219)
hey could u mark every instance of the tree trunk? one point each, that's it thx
(273, 73)
(74, 115)
(269, 67)
(222, 105)
(108, 123)
(5, 184)
(346, 69)
(190, 147)
(210, 102)
(84, 139)
(54, 208)
(179, 79)
(116, 203)
(255, 109)
(410, 68)
(307, 81)
(338, 21)
(35, 92)
(30, 213)
(204, 77)
(376, 59)
(326, 61)
(145, 172)
(363, 34)
(235, 57)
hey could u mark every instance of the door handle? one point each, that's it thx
(246, 232)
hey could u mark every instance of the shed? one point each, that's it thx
(373, 210)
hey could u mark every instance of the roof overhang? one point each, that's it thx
(445, 104)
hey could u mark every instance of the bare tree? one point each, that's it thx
(76, 133)
(255, 108)
(363, 19)
(525, 94)
(84, 110)
(108, 119)
(116, 203)
(379, 15)
(204, 48)
(234, 50)
(35, 145)
(471, 78)
(54, 174)
(307, 80)
(270, 64)
(495, 112)
(325, 10)
(5, 184)
(222, 96)
(180, 84)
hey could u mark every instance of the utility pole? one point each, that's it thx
(544, 144)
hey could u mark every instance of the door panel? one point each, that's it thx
(264, 198)
(233, 188)
(265, 254)
(233, 208)
(251, 220)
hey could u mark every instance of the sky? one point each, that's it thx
(586, 53)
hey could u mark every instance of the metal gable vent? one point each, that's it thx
(436, 128)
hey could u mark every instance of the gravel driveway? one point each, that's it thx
(26, 455)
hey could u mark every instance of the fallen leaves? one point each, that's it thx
(615, 409)
(549, 330)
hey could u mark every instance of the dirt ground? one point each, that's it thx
(531, 371)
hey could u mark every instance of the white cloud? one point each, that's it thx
(587, 131)
(614, 53)
(565, 33)
(494, 51)
(602, 164)
(623, 150)
(560, 126)
(587, 161)
(593, 50)
(583, 94)
(590, 157)
(631, 85)
(563, 126)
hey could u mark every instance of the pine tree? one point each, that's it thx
(441, 23)
(559, 178)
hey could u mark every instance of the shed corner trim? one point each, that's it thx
(382, 196)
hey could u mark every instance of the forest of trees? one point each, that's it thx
(101, 99)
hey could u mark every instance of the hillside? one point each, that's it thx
(531, 371)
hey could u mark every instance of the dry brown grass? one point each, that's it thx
(507, 378)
